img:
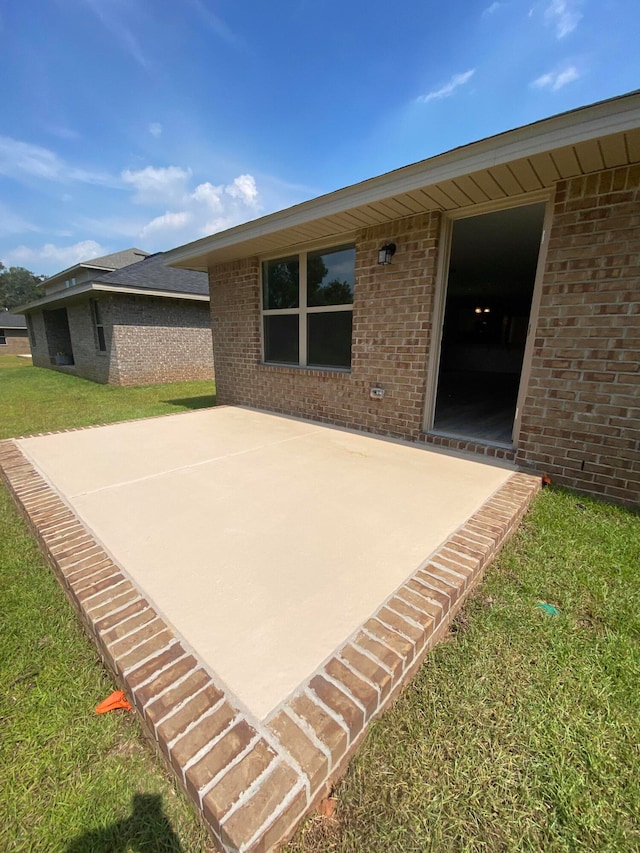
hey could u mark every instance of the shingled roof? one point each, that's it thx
(12, 321)
(152, 274)
(105, 262)
(149, 275)
(116, 260)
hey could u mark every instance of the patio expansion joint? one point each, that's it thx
(265, 775)
(148, 477)
(92, 544)
(38, 500)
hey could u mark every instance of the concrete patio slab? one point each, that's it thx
(262, 585)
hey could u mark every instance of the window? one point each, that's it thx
(3, 337)
(98, 325)
(31, 330)
(307, 307)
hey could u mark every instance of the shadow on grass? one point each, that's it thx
(204, 402)
(147, 830)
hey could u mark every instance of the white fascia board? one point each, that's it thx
(580, 125)
(58, 296)
(142, 291)
(91, 287)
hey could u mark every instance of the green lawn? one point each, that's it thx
(70, 779)
(520, 732)
(37, 400)
(14, 361)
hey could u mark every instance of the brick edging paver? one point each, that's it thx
(252, 781)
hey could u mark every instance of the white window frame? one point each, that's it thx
(303, 309)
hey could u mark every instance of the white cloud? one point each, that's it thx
(167, 222)
(492, 9)
(190, 213)
(212, 226)
(173, 212)
(244, 188)
(555, 80)
(52, 257)
(155, 128)
(157, 185)
(449, 88)
(22, 159)
(210, 195)
(563, 15)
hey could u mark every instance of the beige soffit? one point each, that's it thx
(71, 293)
(513, 163)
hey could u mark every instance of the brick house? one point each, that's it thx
(14, 339)
(124, 319)
(486, 299)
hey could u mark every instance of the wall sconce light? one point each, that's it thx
(386, 253)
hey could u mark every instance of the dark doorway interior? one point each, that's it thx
(56, 326)
(492, 272)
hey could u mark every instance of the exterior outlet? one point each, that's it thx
(376, 393)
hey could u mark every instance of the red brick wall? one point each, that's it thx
(581, 418)
(391, 338)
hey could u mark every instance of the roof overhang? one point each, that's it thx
(516, 163)
(78, 293)
(64, 274)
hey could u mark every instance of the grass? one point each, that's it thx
(9, 361)
(38, 400)
(519, 733)
(73, 780)
(66, 771)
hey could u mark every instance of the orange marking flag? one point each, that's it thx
(116, 700)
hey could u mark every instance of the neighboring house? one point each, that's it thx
(124, 319)
(506, 322)
(14, 338)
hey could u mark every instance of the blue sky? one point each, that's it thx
(150, 123)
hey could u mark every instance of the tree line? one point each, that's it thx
(18, 286)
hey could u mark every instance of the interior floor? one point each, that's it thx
(478, 405)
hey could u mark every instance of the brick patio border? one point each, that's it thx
(253, 781)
